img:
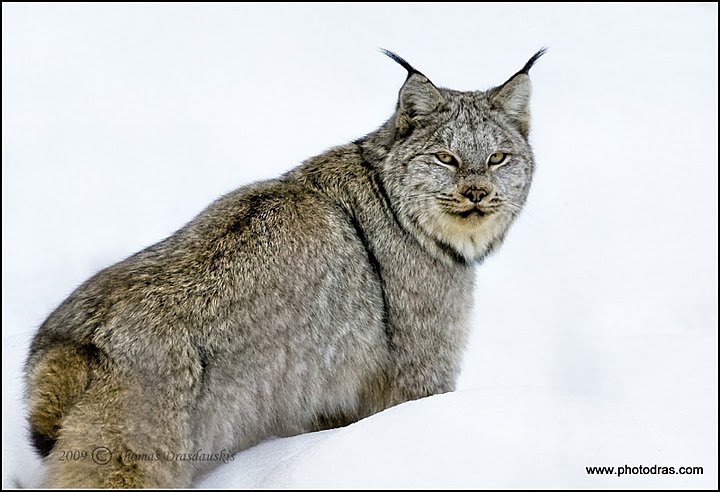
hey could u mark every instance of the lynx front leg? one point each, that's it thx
(428, 331)
(424, 367)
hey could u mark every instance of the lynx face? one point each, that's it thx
(461, 166)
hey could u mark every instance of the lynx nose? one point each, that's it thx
(476, 194)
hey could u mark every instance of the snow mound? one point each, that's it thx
(462, 440)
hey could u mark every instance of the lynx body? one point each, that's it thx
(296, 304)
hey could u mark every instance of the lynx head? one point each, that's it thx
(457, 165)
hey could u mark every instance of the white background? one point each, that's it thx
(595, 326)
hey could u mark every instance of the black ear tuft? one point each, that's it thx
(532, 60)
(401, 61)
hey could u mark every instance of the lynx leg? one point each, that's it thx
(112, 439)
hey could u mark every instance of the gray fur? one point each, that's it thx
(296, 304)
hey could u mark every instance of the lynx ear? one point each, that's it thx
(418, 97)
(513, 97)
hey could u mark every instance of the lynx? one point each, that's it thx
(301, 303)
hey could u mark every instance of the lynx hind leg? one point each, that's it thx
(116, 438)
(55, 382)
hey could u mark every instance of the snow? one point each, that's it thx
(595, 326)
(471, 438)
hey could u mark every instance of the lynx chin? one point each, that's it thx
(301, 303)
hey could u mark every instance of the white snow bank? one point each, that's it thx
(464, 440)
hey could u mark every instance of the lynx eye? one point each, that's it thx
(497, 158)
(446, 158)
